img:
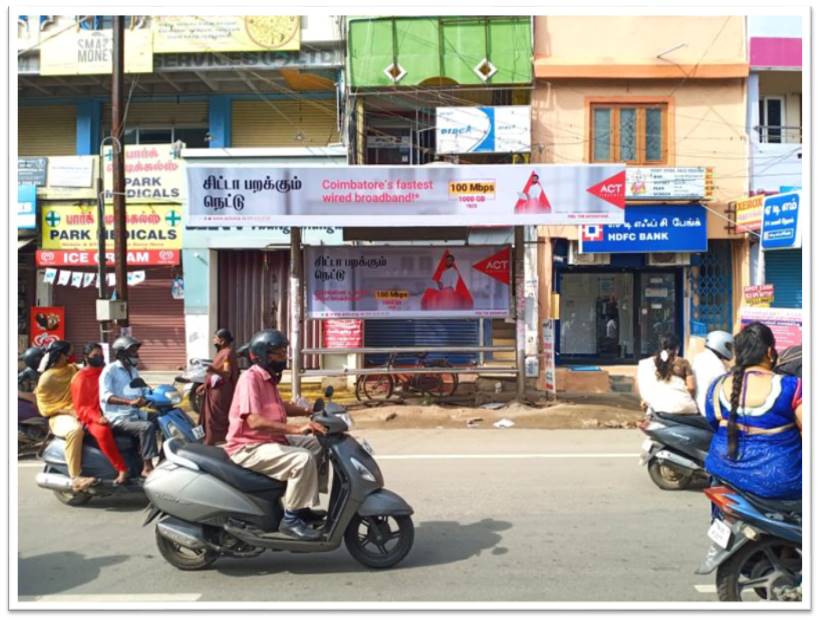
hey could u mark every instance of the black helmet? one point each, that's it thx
(32, 357)
(122, 344)
(266, 341)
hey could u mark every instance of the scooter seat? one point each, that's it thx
(785, 506)
(691, 419)
(215, 461)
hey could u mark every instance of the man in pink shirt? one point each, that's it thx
(260, 438)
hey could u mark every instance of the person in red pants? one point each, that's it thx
(85, 395)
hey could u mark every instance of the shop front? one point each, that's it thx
(621, 287)
(782, 248)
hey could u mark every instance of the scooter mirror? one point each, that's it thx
(318, 405)
(328, 393)
(139, 382)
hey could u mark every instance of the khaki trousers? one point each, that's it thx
(296, 464)
(70, 429)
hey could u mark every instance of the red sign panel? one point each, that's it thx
(80, 258)
(342, 333)
(612, 190)
(496, 266)
(47, 325)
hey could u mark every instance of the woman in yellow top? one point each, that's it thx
(53, 394)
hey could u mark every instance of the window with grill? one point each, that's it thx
(631, 133)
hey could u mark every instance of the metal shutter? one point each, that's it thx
(161, 114)
(283, 123)
(156, 318)
(422, 333)
(783, 269)
(47, 130)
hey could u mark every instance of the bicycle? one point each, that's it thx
(379, 387)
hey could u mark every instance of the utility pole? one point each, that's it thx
(118, 162)
(296, 274)
(520, 313)
(104, 326)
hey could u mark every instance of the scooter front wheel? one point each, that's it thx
(182, 557)
(381, 541)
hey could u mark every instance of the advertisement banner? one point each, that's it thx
(90, 52)
(152, 174)
(236, 61)
(761, 296)
(655, 228)
(47, 325)
(549, 366)
(786, 324)
(88, 258)
(497, 129)
(669, 183)
(407, 282)
(781, 229)
(26, 207)
(149, 227)
(490, 195)
(71, 171)
(749, 213)
(32, 170)
(226, 33)
(342, 333)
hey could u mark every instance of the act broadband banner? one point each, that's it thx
(491, 195)
(407, 282)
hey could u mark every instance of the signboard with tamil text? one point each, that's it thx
(781, 228)
(152, 174)
(225, 33)
(669, 183)
(32, 170)
(749, 213)
(785, 323)
(761, 296)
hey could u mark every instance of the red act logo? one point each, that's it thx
(496, 266)
(612, 190)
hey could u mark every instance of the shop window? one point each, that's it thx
(193, 137)
(635, 134)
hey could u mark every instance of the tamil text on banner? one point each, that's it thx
(498, 129)
(407, 282)
(760, 296)
(226, 33)
(656, 228)
(669, 183)
(785, 323)
(90, 52)
(494, 195)
(342, 333)
(152, 174)
(749, 213)
(32, 170)
(149, 227)
(47, 325)
(781, 227)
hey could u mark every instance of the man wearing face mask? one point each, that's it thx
(85, 394)
(120, 402)
(261, 438)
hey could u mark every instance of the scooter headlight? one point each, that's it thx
(362, 470)
(173, 397)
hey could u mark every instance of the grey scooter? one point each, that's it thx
(210, 507)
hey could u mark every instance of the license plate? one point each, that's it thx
(720, 533)
(198, 432)
(647, 445)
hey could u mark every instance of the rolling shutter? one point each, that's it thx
(422, 333)
(47, 130)
(162, 114)
(156, 319)
(783, 269)
(284, 123)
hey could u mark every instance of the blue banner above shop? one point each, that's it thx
(649, 228)
(780, 222)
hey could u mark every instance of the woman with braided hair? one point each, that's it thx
(666, 380)
(757, 416)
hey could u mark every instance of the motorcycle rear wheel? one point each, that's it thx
(376, 543)
(182, 557)
(667, 477)
(69, 498)
(762, 567)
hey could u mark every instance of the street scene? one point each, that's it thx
(459, 310)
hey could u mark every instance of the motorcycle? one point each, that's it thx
(192, 379)
(756, 546)
(173, 423)
(675, 449)
(208, 507)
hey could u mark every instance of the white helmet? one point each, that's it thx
(721, 343)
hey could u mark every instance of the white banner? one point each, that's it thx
(407, 282)
(491, 195)
(499, 129)
(668, 184)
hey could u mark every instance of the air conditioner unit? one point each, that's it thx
(669, 259)
(576, 258)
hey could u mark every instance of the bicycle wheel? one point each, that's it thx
(374, 387)
(442, 385)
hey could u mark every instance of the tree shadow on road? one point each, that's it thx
(53, 573)
(436, 543)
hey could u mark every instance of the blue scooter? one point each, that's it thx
(173, 424)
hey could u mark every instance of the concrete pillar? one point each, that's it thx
(200, 272)
(89, 121)
(220, 120)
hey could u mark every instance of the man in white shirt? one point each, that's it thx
(710, 364)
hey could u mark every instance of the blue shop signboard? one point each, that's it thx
(780, 222)
(649, 228)
(26, 206)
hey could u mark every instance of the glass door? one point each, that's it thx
(658, 306)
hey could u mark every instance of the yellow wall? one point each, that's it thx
(46, 130)
(282, 123)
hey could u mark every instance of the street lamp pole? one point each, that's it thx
(118, 163)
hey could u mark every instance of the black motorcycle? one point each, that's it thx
(675, 449)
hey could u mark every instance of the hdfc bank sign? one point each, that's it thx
(66, 258)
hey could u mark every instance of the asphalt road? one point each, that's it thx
(500, 515)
